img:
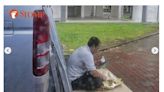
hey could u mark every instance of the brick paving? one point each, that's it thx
(136, 65)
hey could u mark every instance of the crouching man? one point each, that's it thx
(81, 68)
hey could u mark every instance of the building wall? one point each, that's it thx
(87, 11)
(116, 12)
(145, 14)
(56, 13)
(137, 13)
(152, 14)
(63, 13)
(99, 11)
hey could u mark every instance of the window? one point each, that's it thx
(106, 9)
(127, 9)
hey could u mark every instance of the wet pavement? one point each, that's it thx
(135, 64)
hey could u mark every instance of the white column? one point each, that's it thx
(94, 11)
(66, 13)
(56, 13)
(119, 12)
(152, 14)
(122, 11)
(82, 11)
(137, 13)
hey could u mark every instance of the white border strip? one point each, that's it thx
(82, 2)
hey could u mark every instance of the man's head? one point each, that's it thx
(93, 44)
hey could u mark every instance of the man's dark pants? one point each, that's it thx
(86, 82)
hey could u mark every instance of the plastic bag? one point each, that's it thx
(111, 82)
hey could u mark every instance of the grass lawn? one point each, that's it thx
(73, 35)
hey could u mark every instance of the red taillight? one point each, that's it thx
(41, 43)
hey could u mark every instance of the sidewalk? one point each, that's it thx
(135, 64)
(99, 21)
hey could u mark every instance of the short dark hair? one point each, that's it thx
(93, 41)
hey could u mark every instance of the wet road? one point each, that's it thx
(136, 65)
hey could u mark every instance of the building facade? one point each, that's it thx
(107, 13)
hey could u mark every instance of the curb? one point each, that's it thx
(123, 43)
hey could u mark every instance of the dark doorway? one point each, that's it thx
(74, 11)
(127, 12)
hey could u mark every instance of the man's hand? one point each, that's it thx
(97, 63)
(95, 73)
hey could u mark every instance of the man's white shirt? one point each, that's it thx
(79, 62)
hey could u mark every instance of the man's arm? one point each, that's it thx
(95, 73)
